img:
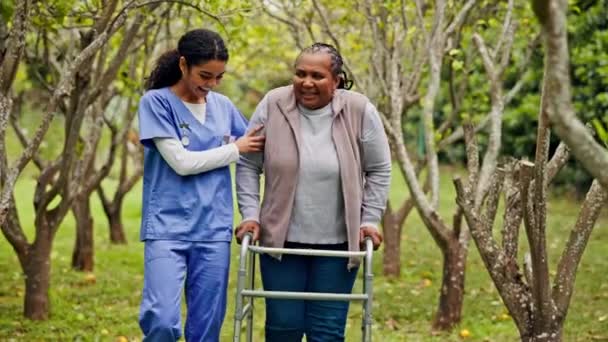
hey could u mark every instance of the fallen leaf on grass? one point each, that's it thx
(90, 278)
(503, 317)
(392, 324)
(464, 333)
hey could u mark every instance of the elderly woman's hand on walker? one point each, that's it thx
(372, 233)
(245, 227)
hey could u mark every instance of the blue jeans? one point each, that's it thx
(169, 265)
(288, 320)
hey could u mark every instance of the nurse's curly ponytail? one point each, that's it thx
(196, 46)
(166, 72)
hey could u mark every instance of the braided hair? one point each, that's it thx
(196, 46)
(337, 62)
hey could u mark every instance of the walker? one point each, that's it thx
(245, 285)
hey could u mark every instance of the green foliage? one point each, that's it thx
(601, 131)
(588, 36)
(6, 10)
(51, 15)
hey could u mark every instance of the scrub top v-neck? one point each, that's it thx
(187, 208)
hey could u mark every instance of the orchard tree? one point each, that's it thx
(62, 179)
(537, 303)
(92, 99)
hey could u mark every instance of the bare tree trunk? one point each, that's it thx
(83, 255)
(391, 257)
(551, 335)
(117, 230)
(392, 227)
(113, 209)
(14, 234)
(452, 287)
(37, 271)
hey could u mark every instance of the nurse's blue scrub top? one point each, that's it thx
(187, 208)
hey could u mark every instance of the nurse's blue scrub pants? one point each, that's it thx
(204, 267)
(321, 321)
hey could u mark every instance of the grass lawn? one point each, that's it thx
(106, 308)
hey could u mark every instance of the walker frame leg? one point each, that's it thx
(251, 262)
(240, 285)
(368, 281)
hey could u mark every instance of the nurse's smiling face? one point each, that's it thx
(200, 78)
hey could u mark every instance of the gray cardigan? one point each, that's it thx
(362, 153)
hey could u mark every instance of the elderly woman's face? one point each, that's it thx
(313, 82)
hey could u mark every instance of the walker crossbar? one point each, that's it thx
(246, 273)
(304, 295)
(313, 252)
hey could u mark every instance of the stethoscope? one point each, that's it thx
(185, 127)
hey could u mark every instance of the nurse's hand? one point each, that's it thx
(373, 233)
(245, 227)
(251, 142)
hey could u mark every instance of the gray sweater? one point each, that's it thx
(318, 208)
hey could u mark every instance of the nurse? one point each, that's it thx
(188, 132)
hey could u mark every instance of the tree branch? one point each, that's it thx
(63, 88)
(460, 18)
(14, 233)
(472, 152)
(496, 96)
(420, 21)
(513, 212)
(429, 216)
(15, 46)
(106, 15)
(295, 29)
(552, 16)
(121, 55)
(537, 237)
(596, 199)
(559, 159)
(19, 132)
(505, 274)
(506, 25)
(494, 191)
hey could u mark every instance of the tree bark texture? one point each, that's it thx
(83, 254)
(37, 271)
(392, 227)
(553, 334)
(117, 230)
(113, 209)
(452, 287)
(520, 294)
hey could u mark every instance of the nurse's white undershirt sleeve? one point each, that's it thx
(185, 162)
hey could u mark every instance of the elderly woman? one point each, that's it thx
(327, 172)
